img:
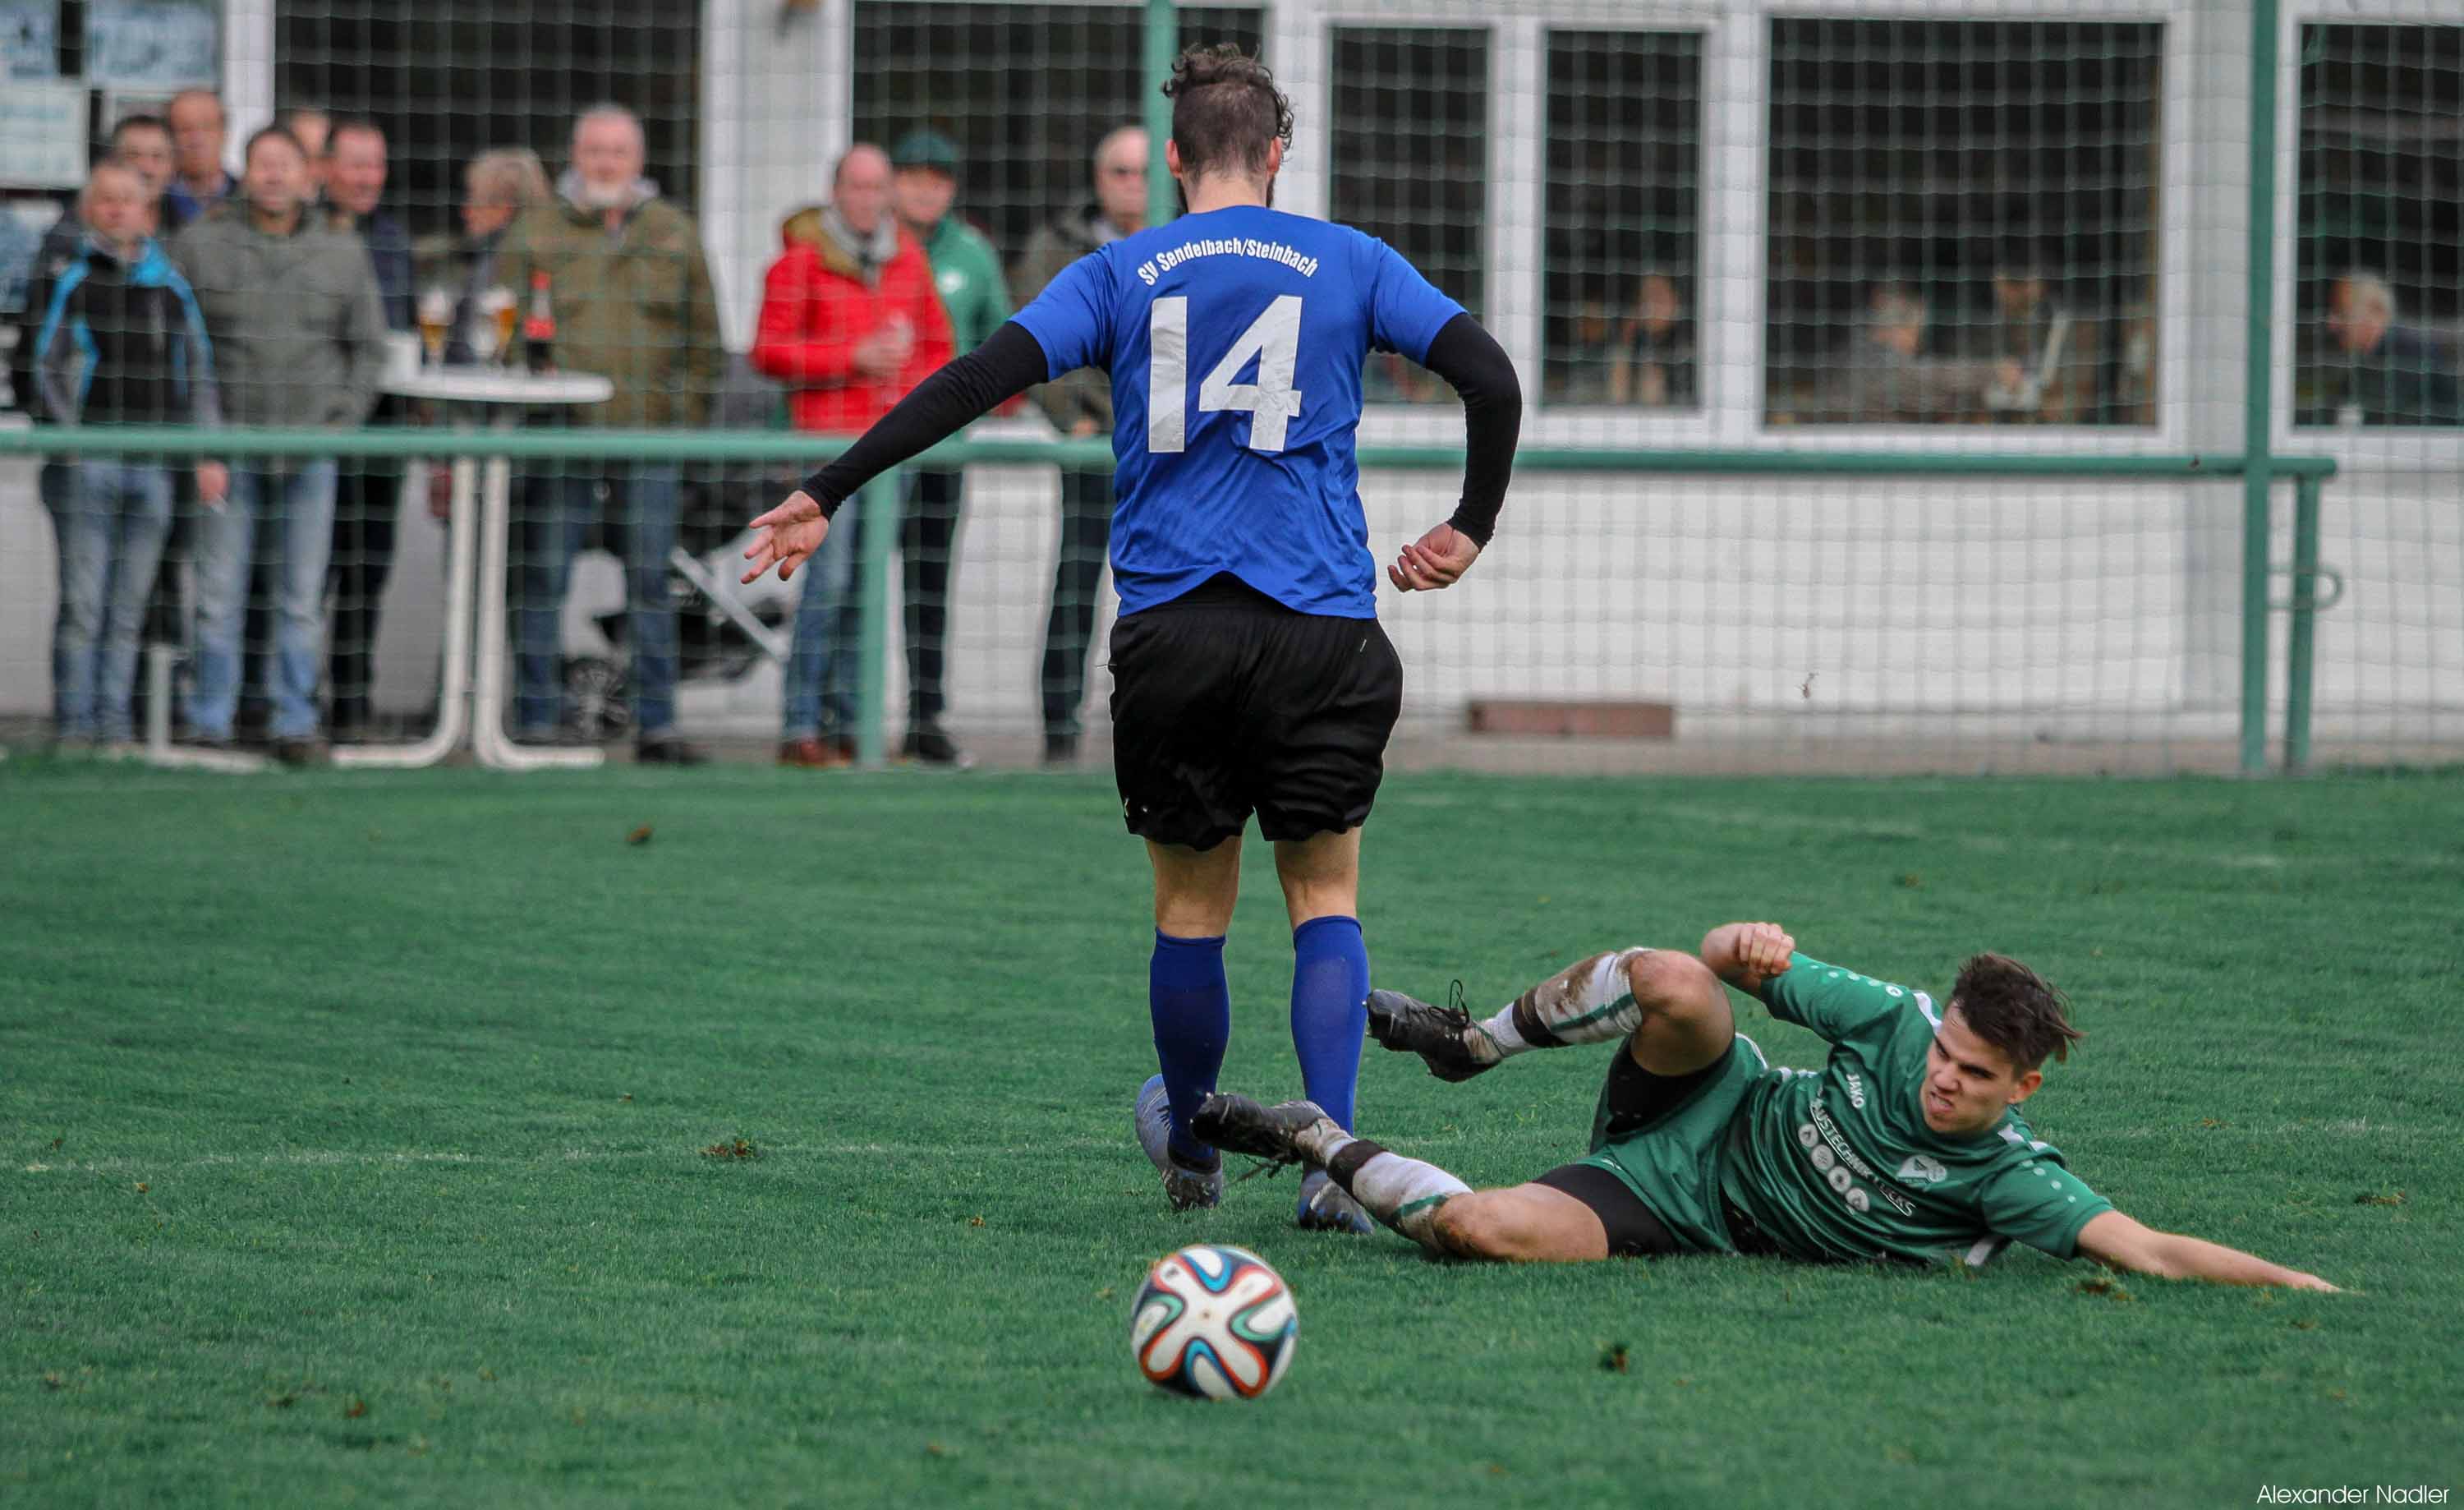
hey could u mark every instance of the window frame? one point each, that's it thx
(2403, 449)
(2176, 398)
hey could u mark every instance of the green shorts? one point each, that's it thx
(1663, 1136)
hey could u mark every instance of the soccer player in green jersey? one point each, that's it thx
(1906, 1145)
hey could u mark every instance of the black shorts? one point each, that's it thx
(1225, 703)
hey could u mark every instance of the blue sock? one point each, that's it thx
(1330, 1010)
(1192, 1010)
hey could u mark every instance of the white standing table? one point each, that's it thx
(474, 610)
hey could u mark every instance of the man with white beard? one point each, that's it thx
(623, 272)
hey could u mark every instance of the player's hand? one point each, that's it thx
(1437, 560)
(786, 537)
(1762, 950)
(2311, 1281)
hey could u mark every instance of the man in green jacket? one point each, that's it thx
(628, 285)
(967, 275)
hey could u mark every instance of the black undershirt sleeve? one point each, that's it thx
(1478, 369)
(1008, 363)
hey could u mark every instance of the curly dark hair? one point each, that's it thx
(1225, 110)
(2015, 1009)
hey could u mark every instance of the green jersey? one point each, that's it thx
(1839, 1164)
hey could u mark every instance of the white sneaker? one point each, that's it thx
(1188, 1186)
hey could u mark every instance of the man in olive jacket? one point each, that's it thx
(298, 332)
(629, 287)
(1080, 404)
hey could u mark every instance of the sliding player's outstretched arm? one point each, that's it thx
(1470, 359)
(2115, 1240)
(1010, 362)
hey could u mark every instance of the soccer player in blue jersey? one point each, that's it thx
(1906, 1145)
(1250, 671)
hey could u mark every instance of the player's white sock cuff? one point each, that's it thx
(1587, 1002)
(1402, 1193)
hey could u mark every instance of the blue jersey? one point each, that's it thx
(1235, 341)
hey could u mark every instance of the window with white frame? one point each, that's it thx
(1407, 161)
(1963, 220)
(2381, 226)
(1621, 261)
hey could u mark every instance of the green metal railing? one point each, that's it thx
(880, 503)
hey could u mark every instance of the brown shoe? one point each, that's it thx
(813, 754)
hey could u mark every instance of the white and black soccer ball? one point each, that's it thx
(1213, 1322)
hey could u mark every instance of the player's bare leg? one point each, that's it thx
(1321, 881)
(1195, 889)
(1190, 1012)
(1416, 1199)
(1320, 876)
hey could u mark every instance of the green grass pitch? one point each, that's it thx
(354, 1133)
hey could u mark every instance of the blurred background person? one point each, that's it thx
(297, 326)
(1080, 406)
(498, 187)
(198, 132)
(967, 276)
(2053, 351)
(626, 280)
(312, 124)
(2375, 371)
(142, 142)
(121, 342)
(368, 490)
(1653, 365)
(851, 324)
(1887, 379)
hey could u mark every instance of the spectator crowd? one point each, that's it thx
(177, 293)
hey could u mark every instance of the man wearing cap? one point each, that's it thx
(967, 276)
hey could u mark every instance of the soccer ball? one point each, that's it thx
(1212, 1321)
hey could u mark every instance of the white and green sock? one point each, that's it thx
(1404, 1194)
(1587, 1002)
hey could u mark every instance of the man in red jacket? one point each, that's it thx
(850, 322)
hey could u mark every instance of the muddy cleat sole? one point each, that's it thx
(1326, 1207)
(1436, 1034)
(1188, 1186)
(1247, 1127)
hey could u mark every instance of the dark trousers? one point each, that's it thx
(365, 507)
(926, 538)
(1077, 576)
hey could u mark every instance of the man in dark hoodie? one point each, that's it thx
(121, 342)
(370, 488)
(1079, 406)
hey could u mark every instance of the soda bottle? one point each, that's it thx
(539, 327)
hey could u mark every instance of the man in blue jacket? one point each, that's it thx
(122, 342)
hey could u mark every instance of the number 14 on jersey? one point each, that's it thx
(1271, 403)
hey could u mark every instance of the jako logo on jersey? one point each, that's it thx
(1855, 1091)
(1918, 1167)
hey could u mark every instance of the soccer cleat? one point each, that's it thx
(1326, 1207)
(1264, 1132)
(1438, 1034)
(1188, 1186)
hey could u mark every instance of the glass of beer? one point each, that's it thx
(436, 318)
(497, 317)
